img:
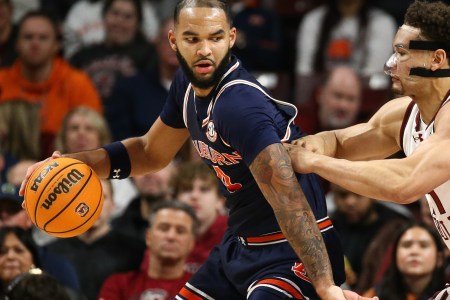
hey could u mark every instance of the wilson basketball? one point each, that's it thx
(63, 197)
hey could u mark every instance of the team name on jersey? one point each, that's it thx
(205, 151)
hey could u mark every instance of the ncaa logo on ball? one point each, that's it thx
(211, 133)
(42, 175)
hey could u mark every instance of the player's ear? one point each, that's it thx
(439, 60)
(172, 40)
(232, 36)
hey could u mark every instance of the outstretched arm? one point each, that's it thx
(148, 153)
(273, 172)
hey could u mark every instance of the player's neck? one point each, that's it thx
(165, 270)
(202, 93)
(430, 101)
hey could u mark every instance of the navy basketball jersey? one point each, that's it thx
(229, 128)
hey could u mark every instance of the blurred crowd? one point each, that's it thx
(78, 74)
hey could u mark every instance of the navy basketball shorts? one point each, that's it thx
(262, 267)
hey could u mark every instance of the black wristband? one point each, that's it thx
(119, 160)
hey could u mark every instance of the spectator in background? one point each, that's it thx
(416, 271)
(258, 40)
(170, 239)
(336, 104)
(13, 215)
(18, 256)
(137, 101)
(151, 188)
(20, 135)
(349, 32)
(35, 285)
(40, 77)
(122, 53)
(84, 26)
(84, 129)
(357, 220)
(100, 251)
(8, 34)
(196, 185)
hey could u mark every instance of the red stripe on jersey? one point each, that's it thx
(325, 224)
(438, 202)
(266, 238)
(282, 285)
(189, 294)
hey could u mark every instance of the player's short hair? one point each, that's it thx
(221, 4)
(187, 172)
(432, 18)
(174, 205)
(44, 15)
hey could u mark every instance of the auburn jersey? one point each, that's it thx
(229, 128)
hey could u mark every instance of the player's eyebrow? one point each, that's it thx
(192, 33)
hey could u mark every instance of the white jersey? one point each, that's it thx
(414, 132)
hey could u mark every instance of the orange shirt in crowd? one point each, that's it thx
(65, 89)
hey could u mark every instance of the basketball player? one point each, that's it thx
(418, 124)
(237, 129)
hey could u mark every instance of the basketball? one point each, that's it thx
(63, 197)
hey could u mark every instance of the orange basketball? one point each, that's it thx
(63, 197)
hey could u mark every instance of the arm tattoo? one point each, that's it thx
(273, 172)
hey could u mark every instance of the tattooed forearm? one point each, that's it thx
(274, 174)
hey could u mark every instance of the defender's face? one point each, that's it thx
(403, 59)
(37, 43)
(203, 38)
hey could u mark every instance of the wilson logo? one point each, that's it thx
(72, 178)
(42, 174)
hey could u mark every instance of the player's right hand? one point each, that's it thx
(313, 143)
(30, 170)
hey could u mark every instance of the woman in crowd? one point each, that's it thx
(416, 269)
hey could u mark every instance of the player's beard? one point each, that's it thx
(208, 82)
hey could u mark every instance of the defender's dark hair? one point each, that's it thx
(221, 4)
(432, 18)
(175, 205)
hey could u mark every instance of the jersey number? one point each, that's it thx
(231, 187)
